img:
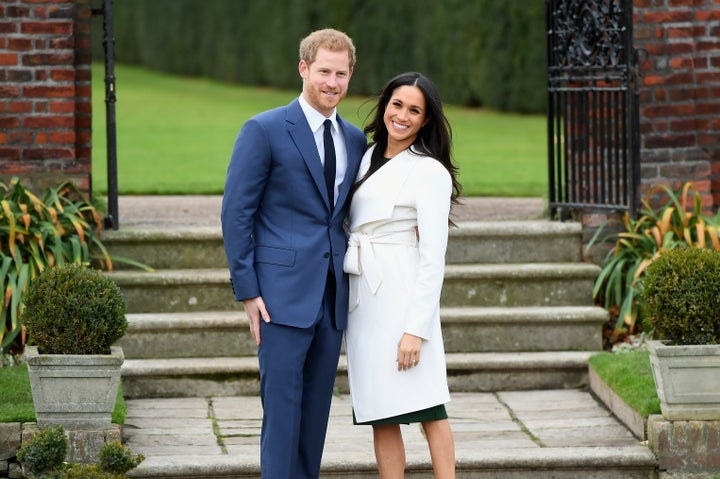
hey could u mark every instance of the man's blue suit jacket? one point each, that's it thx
(278, 227)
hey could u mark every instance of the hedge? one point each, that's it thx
(480, 53)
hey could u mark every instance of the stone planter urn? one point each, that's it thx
(687, 380)
(681, 291)
(74, 315)
(77, 391)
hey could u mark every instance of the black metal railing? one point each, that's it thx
(112, 220)
(593, 122)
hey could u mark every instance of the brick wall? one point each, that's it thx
(680, 94)
(686, 449)
(45, 93)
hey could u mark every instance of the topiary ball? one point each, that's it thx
(73, 309)
(681, 292)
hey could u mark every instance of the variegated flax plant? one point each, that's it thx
(59, 227)
(679, 222)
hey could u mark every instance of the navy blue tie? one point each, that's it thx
(329, 162)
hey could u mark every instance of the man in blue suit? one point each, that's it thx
(286, 196)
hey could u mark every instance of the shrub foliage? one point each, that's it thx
(37, 232)
(681, 291)
(679, 222)
(115, 458)
(73, 309)
(43, 455)
(44, 452)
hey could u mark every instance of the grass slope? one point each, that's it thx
(175, 136)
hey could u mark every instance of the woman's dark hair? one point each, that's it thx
(434, 138)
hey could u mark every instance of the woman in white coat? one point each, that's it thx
(399, 219)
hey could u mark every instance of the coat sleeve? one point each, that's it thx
(434, 188)
(244, 185)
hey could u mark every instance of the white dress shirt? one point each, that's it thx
(316, 120)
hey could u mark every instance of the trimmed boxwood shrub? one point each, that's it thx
(44, 452)
(681, 292)
(73, 309)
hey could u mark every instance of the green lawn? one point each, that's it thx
(16, 404)
(629, 374)
(175, 135)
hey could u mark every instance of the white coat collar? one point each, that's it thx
(378, 194)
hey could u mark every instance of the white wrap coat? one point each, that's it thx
(398, 225)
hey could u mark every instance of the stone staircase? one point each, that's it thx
(517, 311)
(519, 325)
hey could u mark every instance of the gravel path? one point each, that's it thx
(194, 210)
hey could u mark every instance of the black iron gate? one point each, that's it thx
(593, 139)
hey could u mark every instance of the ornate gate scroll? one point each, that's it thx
(593, 123)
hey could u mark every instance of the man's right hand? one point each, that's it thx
(255, 310)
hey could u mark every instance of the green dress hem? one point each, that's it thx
(434, 413)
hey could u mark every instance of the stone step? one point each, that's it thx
(471, 329)
(176, 290)
(531, 284)
(176, 247)
(184, 335)
(471, 242)
(607, 462)
(524, 284)
(522, 329)
(467, 372)
(515, 242)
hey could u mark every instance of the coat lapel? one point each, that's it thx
(305, 142)
(382, 188)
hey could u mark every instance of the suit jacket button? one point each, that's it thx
(326, 255)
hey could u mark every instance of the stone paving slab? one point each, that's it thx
(489, 427)
(600, 436)
(145, 423)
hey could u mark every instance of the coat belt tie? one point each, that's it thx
(360, 259)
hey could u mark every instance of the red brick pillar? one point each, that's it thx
(680, 94)
(45, 94)
(685, 449)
